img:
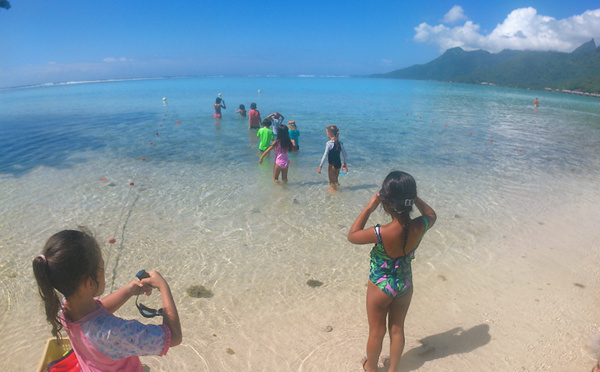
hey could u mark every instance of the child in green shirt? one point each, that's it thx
(265, 135)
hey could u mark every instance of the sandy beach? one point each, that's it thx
(525, 300)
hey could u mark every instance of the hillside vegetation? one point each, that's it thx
(576, 71)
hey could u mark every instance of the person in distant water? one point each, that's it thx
(333, 148)
(219, 103)
(276, 120)
(390, 287)
(536, 103)
(253, 117)
(266, 135)
(294, 133)
(71, 265)
(242, 111)
(282, 146)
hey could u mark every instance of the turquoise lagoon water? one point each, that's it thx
(203, 211)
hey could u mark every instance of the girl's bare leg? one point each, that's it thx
(377, 308)
(276, 171)
(396, 317)
(284, 174)
(331, 172)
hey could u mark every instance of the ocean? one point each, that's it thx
(201, 209)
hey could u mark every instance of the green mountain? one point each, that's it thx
(575, 71)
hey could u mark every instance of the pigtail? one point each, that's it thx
(48, 294)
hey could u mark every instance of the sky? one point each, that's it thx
(45, 41)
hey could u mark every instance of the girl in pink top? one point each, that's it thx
(71, 263)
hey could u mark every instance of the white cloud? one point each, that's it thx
(523, 29)
(386, 62)
(456, 14)
(120, 59)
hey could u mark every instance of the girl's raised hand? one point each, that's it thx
(374, 203)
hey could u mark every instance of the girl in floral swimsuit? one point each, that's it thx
(390, 286)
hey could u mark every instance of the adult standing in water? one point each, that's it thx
(219, 103)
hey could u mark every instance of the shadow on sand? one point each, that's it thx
(454, 341)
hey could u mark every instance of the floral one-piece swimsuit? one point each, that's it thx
(392, 275)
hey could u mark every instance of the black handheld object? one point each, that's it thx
(142, 274)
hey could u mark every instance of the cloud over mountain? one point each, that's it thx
(523, 29)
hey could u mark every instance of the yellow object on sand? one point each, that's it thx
(53, 351)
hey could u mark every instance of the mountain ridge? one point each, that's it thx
(577, 71)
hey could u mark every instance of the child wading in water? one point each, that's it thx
(71, 263)
(282, 146)
(390, 280)
(265, 134)
(242, 111)
(294, 133)
(332, 154)
(253, 117)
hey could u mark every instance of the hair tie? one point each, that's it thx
(408, 202)
(43, 258)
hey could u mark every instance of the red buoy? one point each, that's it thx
(130, 183)
(102, 179)
(112, 241)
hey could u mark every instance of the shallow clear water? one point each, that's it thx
(203, 211)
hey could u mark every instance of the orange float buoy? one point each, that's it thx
(130, 183)
(102, 179)
(112, 241)
(177, 122)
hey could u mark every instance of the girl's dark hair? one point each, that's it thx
(69, 258)
(335, 132)
(218, 100)
(242, 107)
(253, 106)
(397, 194)
(283, 136)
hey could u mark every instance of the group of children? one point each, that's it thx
(283, 139)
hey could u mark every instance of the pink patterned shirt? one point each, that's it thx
(104, 342)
